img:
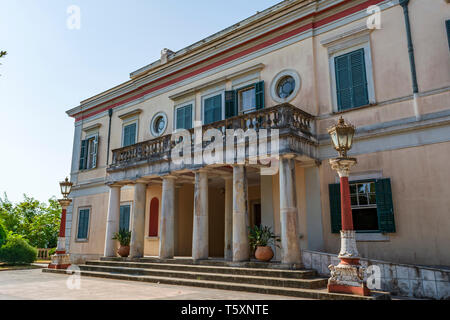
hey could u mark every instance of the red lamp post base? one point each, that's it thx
(60, 261)
(339, 288)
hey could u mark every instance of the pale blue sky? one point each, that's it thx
(50, 69)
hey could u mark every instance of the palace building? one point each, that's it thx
(284, 75)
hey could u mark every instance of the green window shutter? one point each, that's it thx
(385, 205)
(124, 221)
(212, 109)
(259, 95)
(230, 104)
(351, 80)
(129, 135)
(447, 25)
(83, 224)
(184, 117)
(83, 154)
(95, 152)
(335, 207)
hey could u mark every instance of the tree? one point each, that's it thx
(36, 221)
(2, 54)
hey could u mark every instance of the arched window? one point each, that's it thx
(154, 218)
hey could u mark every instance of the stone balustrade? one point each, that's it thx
(294, 125)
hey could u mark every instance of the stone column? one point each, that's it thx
(241, 248)
(200, 248)
(228, 253)
(166, 227)
(112, 222)
(138, 221)
(290, 248)
(61, 260)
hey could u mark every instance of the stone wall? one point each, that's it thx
(399, 279)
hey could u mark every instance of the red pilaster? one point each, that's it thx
(346, 205)
(62, 227)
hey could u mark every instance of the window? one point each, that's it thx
(83, 224)
(183, 117)
(351, 80)
(242, 100)
(154, 218)
(212, 109)
(124, 220)
(89, 153)
(158, 124)
(447, 25)
(372, 206)
(285, 86)
(129, 134)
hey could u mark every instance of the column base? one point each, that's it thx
(60, 261)
(338, 288)
(348, 277)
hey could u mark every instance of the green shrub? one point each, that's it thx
(17, 251)
(51, 252)
(2, 235)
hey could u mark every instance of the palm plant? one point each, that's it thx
(123, 236)
(262, 236)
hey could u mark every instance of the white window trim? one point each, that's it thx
(127, 123)
(78, 224)
(210, 95)
(181, 105)
(276, 81)
(156, 116)
(238, 98)
(128, 203)
(349, 44)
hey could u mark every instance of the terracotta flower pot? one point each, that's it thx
(264, 253)
(124, 251)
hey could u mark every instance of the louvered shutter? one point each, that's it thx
(259, 95)
(83, 154)
(351, 80)
(230, 104)
(180, 118)
(335, 207)
(447, 25)
(83, 224)
(124, 222)
(385, 206)
(95, 152)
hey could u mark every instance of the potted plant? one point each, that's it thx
(261, 238)
(124, 238)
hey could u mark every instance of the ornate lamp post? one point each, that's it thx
(348, 275)
(61, 259)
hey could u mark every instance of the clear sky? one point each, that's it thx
(50, 69)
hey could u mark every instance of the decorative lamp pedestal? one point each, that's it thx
(348, 276)
(61, 259)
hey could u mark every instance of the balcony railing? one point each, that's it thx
(288, 119)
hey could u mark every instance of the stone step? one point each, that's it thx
(275, 273)
(217, 277)
(210, 262)
(292, 292)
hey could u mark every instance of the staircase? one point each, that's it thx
(257, 277)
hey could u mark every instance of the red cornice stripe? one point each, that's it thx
(235, 56)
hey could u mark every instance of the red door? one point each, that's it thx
(154, 218)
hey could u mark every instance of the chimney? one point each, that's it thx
(165, 55)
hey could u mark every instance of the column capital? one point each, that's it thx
(288, 156)
(65, 202)
(342, 166)
(114, 185)
(169, 177)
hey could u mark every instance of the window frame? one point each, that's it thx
(89, 208)
(127, 123)
(220, 92)
(239, 100)
(130, 204)
(88, 137)
(181, 105)
(340, 48)
(366, 206)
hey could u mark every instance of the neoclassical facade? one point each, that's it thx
(279, 79)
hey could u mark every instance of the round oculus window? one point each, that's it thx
(159, 124)
(285, 87)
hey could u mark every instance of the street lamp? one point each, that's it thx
(61, 260)
(348, 275)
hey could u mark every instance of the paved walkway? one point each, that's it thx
(36, 285)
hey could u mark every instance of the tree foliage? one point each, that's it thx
(17, 250)
(35, 221)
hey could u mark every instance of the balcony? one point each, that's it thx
(295, 136)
